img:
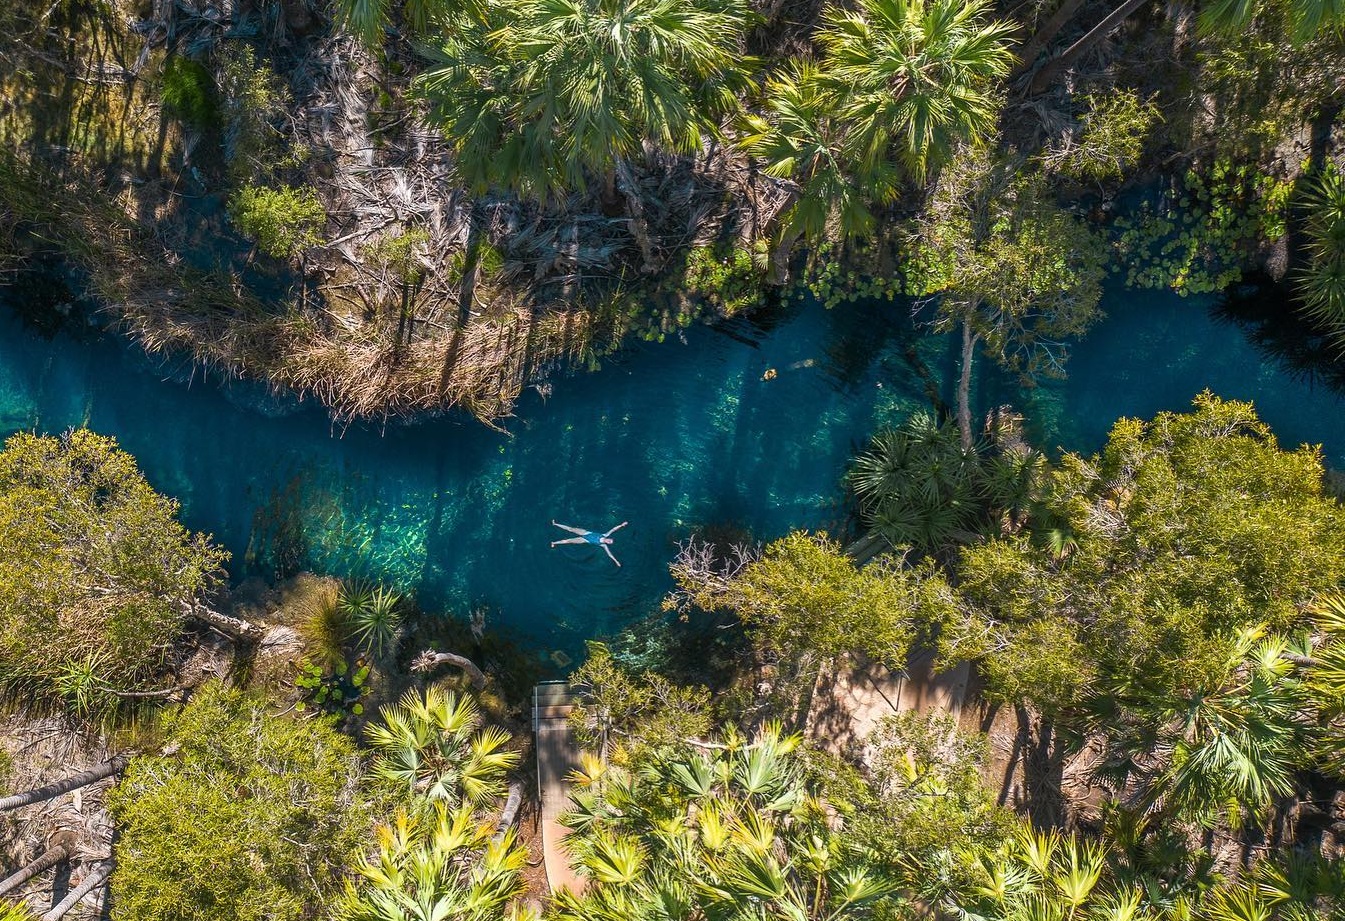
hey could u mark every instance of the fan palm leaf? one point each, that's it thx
(914, 77)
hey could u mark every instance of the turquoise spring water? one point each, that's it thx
(674, 437)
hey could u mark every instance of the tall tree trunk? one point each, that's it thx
(44, 862)
(969, 340)
(430, 660)
(53, 790)
(1035, 45)
(639, 227)
(780, 257)
(91, 882)
(1053, 67)
(510, 813)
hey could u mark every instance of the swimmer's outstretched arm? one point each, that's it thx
(608, 550)
(565, 527)
(617, 528)
(569, 540)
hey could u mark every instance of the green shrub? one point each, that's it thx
(398, 254)
(188, 92)
(95, 573)
(1110, 136)
(489, 261)
(251, 817)
(251, 98)
(283, 221)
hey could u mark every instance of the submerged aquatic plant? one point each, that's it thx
(374, 615)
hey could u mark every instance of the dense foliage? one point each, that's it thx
(97, 574)
(1150, 557)
(732, 830)
(917, 485)
(804, 597)
(461, 197)
(245, 815)
(622, 716)
(543, 95)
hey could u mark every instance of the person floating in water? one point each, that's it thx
(589, 537)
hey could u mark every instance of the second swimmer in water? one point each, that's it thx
(589, 537)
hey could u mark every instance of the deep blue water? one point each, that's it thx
(673, 437)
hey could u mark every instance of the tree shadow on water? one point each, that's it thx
(1263, 310)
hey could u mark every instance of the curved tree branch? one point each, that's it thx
(429, 660)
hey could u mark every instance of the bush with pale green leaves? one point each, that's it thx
(247, 814)
(283, 221)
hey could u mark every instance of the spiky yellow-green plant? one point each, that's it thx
(431, 744)
(442, 865)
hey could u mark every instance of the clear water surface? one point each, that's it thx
(743, 429)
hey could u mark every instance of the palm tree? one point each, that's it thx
(1224, 750)
(432, 746)
(53, 790)
(727, 829)
(553, 92)
(443, 866)
(912, 78)
(59, 852)
(800, 140)
(370, 19)
(1322, 283)
(916, 485)
(94, 876)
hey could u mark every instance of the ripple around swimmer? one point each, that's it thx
(743, 431)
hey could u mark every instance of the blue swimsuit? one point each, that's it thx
(593, 537)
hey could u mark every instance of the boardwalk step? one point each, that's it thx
(547, 694)
(557, 712)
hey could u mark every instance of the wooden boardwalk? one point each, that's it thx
(557, 756)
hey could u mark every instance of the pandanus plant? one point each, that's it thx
(729, 829)
(438, 866)
(373, 614)
(432, 745)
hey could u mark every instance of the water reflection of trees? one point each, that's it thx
(1262, 309)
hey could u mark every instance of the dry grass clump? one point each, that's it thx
(311, 604)
(420, 297)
